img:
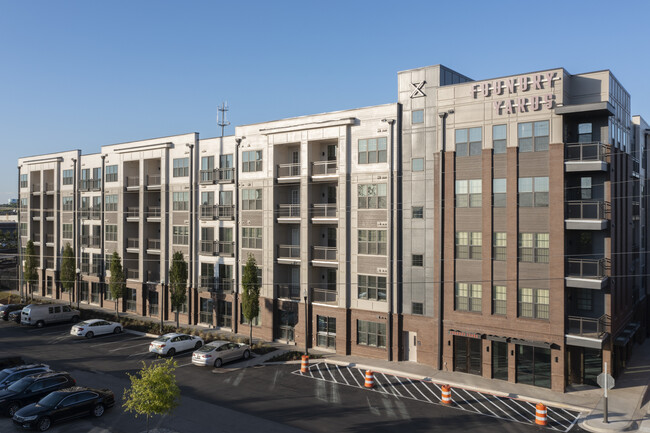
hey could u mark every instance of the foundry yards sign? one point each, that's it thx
(516, 86)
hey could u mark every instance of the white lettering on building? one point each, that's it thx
(517, 85)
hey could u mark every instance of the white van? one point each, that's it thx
(40, 314)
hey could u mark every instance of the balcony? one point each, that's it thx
(153, 213)
(226, 175)
(95, 184)
(324, 213)
(49, 263)
(153, 276)
(206, 176)
(153, 181)
(324, 256)
(49, 240)
(133, 245)
(288, 254)
(289, 173)
(324, 170)
(132, 214)
(207, 283)
(95, 213)
(95, 269)
(288, 213)
(49, 215)
(324, 296)
(132, 274)
(207, 212)
(226, 211)
(206, 248)
(587, 331)
(587, 273)
(85, 268)
(36, 238)
(225, 285)
(49, 188)
(226, 249)
(84, 185)
(36, 188)
(580, 157)
(288, 291)
(587, 215)
(132, 183)
(36, 215)
(153, 246)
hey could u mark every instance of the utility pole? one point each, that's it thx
(221, 116)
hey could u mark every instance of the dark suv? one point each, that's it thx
(11, 375)
(6, 309)
(30, 389)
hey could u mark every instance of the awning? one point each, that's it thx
(541, 344)
(497, 338)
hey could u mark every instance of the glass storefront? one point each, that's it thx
(500, 360)
(224, 314)
(584, 365)
(467, 355)
(533, 365)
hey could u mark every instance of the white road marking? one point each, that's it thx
(420, 391)
(355, 379)
(342, 375)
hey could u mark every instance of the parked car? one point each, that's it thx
(14, 316)
(30, 389)
(218, 352)
(169, 344)
(92, 327)
(8, 308)
(64, 404)
(40, 314)
(13, 374)
(11, 361)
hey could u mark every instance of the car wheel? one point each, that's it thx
(247, 354)
(40, 324)
(117, 330)
(13, 408)
(198, 344)
(171, 352)
(43, 424)
(90, 334)
(218, 363)
(98, 410)
(74, 319)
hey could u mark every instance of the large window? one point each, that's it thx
(181, 167)
(326, 332)
(111, 173)
(66, 232)
(499, 300)
(181, 200)
(67, 203)
(251, 199)
(499, 192)
(371, 333)
(24, 180)
(111, 233)
(372, 150)
(533, 247)
(585, 133)
(499, 139)
(251, 237)
(533, 136)
(372, 242)
(372, 287)
(469, 192)
(533, 365)
(68, 177)
(372, 196)
(533, 303)
(111, 203)
(468, 297)
(533, 191)
(499, 245)
(252, 160)
(180, 235)
(469, 141)
(469, 245)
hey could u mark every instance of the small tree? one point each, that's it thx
(30, 273)
(153, 390)
(178, 282)
(117, 284)
(67, 274)
(251, 294)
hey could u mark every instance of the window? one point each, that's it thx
(257, 321)
(372, 196)
(469, 192)
(181, 167)
(533, 303)
(183, 307)
(111, 233)
(251, 237)
(499, 192)
(251, 199)
(371, 333)
(533, 365)
(23, 229)
(111, 173)
(23, 203)
(252, 161)
(417, 260)
(499, 141)
(181, 200)
(67, 203)
(180, 235)
(68, 177)
(417, 308)
(417, 212)
(417, 164)
(584, 299)
(24, 182)
(499, 246)
(533, 136)
(97, 175)
(372, 242)
(111, 203)
(469, 245)
(585, 188)
(469, 141)
(372, 150)
(66, 231)
(499, 300)
(533, 191)
(533, 247)
(372, 287)
(417, 116)
(585, 133)
(326, 331)
(468, 297)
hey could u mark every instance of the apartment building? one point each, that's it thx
(494, 227)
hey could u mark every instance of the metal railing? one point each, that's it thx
(587, 268)
(95, 269)
(226, 211)
(85, 240)
(324, 295)
(226, 174)
(153, 276)
(324, 253)
(288, 170)
(288, 291)
(36, 237)
(95, 213)
(95, 184)
(132, 181)
(593, 151)
(206, 211)
(225, 285)
(49, 187)
(207, 282)
(153, 212)
(288, 211)
(582, 209)
(36, 214)
(84, 185)
(48, 214)
(85, 268)
(586, 326)
(323, 210)
(206, 176)
(132, 212)
(132, 274)
(133, 243)
(95, 241)
(289, 251)
(226, 248)
(153, 180)
(206, 247)
(49, 238)
(324, 168)
(153, 244)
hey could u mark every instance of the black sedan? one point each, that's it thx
(63, 405)
(6, 309)
(30, 389)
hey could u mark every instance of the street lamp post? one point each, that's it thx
(78, 291)
(306, 299)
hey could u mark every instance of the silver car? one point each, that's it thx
(170, 344)
(217, 352)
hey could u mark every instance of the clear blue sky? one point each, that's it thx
(81, 74)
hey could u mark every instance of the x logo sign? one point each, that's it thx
(417, 89)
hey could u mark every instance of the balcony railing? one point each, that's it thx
(324, 295)
(323, 210)
(226, 248)
(207, 211)
(206, 247)
(133, 243)
(207, 282)
(84, 185)
(288, 170)
(36, 237)
(49, 263)
(95, 184)
(324, 253)
(132, 181)
(588, 326)
(206, 176)
(288, 211)
(132, 274)
(288, 251)
(85, 268)
(320, 168)
(132, 212)
(593, 151)
(153, 212)
(153, 180)
(49, 238)
(95, 213)
(153, 276)
(48, 214)
(36, 214)
(226, 211)
(587, 268)
(288, 291)
(226, 174)
(95, 269)
(581, 209)
(49, 187)
(95, 241)
(153, 244)
(225, 285)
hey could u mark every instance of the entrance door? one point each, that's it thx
(467, 355)
(410, 346)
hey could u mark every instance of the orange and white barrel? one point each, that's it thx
(446, 394)
(540, 414)
(370, 379)
(304, 365)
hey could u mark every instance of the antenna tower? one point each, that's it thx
(221, 117)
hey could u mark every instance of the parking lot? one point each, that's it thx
(235, 398)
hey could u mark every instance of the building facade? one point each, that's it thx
(494, 227)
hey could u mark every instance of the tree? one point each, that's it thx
(178, 283)
(117, 284)
(251, 294)
(67, 274)
(153, 390)
(30, 273)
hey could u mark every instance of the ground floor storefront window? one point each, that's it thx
(224, 314)
(83, 295)
(326, 336)
(533, 365)
(153, 303)
(205, 311)
(287, 322)
(467, 355)
(585, 365)
(130, 298)
(500, 360)
(95, 293)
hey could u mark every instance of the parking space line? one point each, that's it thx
(426, 386)
(320, 372)
(420, 391)
(339, 369)
(376, 379)
(401, 382)
(355, 379)
(466, 401)
(560, 415)
(399, 394)
(523, 408)
(126, 347)
(499, 408)
(329, 370)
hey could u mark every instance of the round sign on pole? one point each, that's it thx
(601, 380)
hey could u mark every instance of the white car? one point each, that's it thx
(92, 327)
(169, 344)
(217, 352)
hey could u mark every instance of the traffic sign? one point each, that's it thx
(602, 377)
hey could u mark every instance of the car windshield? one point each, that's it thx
(206, 348)
(20, 385)
(163, 338)
(51, 399)
(3, 375)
